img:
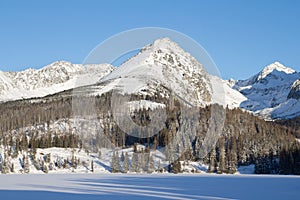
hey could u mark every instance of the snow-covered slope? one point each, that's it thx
(224, 94)
(159, 67)
(56, 77)
(270, 92)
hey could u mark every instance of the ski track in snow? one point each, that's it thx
(166, 186)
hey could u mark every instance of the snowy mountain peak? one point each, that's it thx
(272, 93)
(165, 43)
(166, 64)
(274, 66)
(63, 66)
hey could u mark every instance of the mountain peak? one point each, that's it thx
(166, 64)
(274, 66)
(165, 43)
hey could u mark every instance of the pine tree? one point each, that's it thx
(58, 162)
(146, 162)
(232, 158)
(48, 158)
(126, 163)
(26, 164)
(4, 167)
(176, 167)
(12, 169)
(118, 166)
(159, 168)
(45, 168)
(122, 157)
(151, 167)
(65, 163)
(115, 163)
(222, 157)
(212, 161)
(92, 166)
(134, 162)
(51, 166)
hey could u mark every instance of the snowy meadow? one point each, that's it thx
(166, 186)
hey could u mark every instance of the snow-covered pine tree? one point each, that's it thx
(115, 163)
(222, 157)
(126, 163)
(151, 167)
(134, 162)
(212, 161)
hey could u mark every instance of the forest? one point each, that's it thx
(240, 140)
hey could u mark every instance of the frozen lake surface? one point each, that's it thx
(166, 186)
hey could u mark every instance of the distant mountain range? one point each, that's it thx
(272, 93)
(51, 79)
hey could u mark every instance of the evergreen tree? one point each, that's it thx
(232, 158)
(134, 162)
(176, 167)
(3, 170)
(212, 161)
(222, 157)
(151, 167)
(126, 163)
(12, 169)
(26, 164)
(122, 157)
(159, 168)
(146, 161)
(115, 163)
(92, 166)
(45, 168)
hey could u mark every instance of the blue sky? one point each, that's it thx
(240, 36)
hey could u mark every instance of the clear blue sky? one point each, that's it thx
(240, 36)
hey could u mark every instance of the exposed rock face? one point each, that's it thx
(295, 90)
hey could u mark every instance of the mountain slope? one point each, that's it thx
(56, 77)
(159, 67)
(229, 96)
(269, 92)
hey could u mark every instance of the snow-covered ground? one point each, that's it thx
(166, 186)
(101, 162)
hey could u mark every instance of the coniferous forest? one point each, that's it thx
(244, 139)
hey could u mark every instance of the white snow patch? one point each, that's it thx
(224, 95)
(136, 105)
